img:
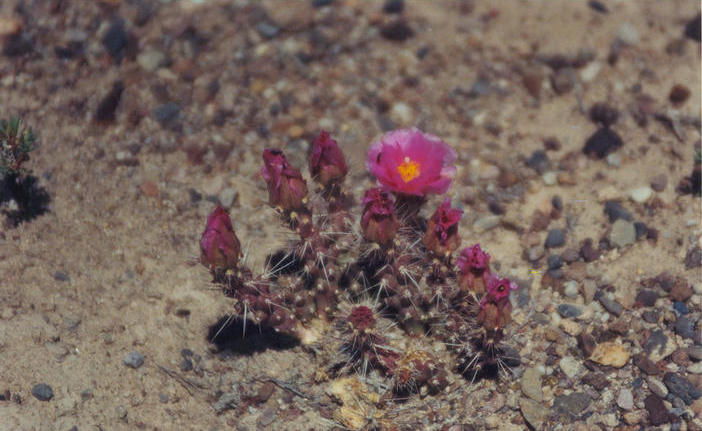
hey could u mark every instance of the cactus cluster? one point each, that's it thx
(384, 262)
(16, 142)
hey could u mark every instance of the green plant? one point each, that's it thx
(16, 142)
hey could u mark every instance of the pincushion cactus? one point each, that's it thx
(383, 256)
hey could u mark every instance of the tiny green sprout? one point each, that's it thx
(16, 142)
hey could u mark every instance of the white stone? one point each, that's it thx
(570, 366)
(641, 194)
(628, 34)
(614, 159)
(549, 178)
(625, 399)
(401, 113)
(571, 288)
(590, 71)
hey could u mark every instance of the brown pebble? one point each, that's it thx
(681, 291)
(532, 82)
(681, 357)
(586, 343)
(149, 188)
(679, 94)
(507, 179)
(646, 364)
(552, 144)
(563, 80)
(597, 380)
(588, 251)
(659, 182)
(657, 412)
(265, 391)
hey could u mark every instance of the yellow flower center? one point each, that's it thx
(408, 170)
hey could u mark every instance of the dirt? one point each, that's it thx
(146, 111)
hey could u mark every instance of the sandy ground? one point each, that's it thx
(110, 268)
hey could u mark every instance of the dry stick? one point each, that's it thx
(186, 383)
(286, 386)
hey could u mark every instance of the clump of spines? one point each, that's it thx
(16, 142)
(404, 262)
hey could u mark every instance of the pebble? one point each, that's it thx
(531, 384)
(695, 368)
(167, 113)
(186, 364)
(563, 80)
(628, 34)
(486, 223)
(115, 40)
(589, 72)
(681, 387)
(692, 28)
(659, 182)
(555, 238)
(641, 194)
(227, 197)
(570, 366)
(267, 29)
(393, 6)
(589, 252)
(554, 261)
(647, 297)
(133, 360)
(534, 413)
(693, 258)
(657, 387)
(616, 211)
(569, 311)
(550, 178)
(685, 326)
(695, 352)
(397, 30)
(572, 404)
(610, 353)
(61, 276)
(657, 413)
(539, 161)
(535, 253)
(679, 94)
(611, 305)
(228, 400)
(625, 400)
(614, 159)
(658, 346)
(151, 59)
(623, 233)
(401, 113)
(602, 143)
(570, 288)
(42, 392)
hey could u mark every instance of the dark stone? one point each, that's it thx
(394, 6)
(186, 364)
(692, 28)
(657, 413)
(115, 40)
(611, 305)
(616, 211)
(568, 311)
(597, 6)
(555, 238)
(556, 274)
(195, 196)
(681, 387)
(685, 326)
(641, 229)
(647, 297)
(554, 261)
(321, 3)
(572, 404)
(267, 29)
(186, 353)
(679, 94)
(586, 343)
(105, 112)
(602, 142)
(167, 114)
(61, 276)
(539, 161)
(603, 114)
(563, 80)
(42, 392)
(693, 258)
(597, 380)
(133, 360)
(17, 44)
(650, 316)
(680, 307)
(397, 30)
(588, 251)
(570, 255)
(557, 203)
(656, 341)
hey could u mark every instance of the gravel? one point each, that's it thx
(641, 194)
(569, 311)
(611, 305)
(133, 360)
(681, 387)
(42, 392)
(555, 238)
(531, 384)
(603, 142)
(572, 404)
(616, 211)
(623, 233)
(625, 400)
(657, 413)
(685, 326)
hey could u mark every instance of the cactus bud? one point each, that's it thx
(219, 246)
(286, 187)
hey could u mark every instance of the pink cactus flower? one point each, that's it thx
(441, 236)
(327, 163)
(498, 289)
(219, 246)
(379, 222)
(286, 187)
(411, 162)
(473, 259)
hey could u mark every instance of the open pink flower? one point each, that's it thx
(473, 259)
(379, 222)
(327, 162)
(441, 236)
(219, 246)
(411, 162)
(286, 187)
(498, 289)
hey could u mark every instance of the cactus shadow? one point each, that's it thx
(227, 335)
(31, 200)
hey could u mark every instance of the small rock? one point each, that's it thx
(695, 352)
(692, 28)
(167, 114)
(397, 30)
(625, 400)
(539, 161)
(42, 392)
(393, 6)
(554, 261)
(186, 364)
(535, 253)
(693, 258)
(646, 364)
(641, 194)
(268, 416)
(659, 346)
(115, 40)
(685, 327)
(603, 142)
(659, 182)
(657, 413)
(486, 223)
(563, 80)
(598, 6)
(597, 380)
(570, 288)
(555, 238)
(615, 211)
(647, 297)
(61, 276)
(149, 189)
(227, 197)
(681, 291)
(570, 255)
(588, 251)
(657, 387)
(681, 387)
(572, 404)
(611, 305)
(151, 59)
(695, 368)
(628, 34)
(610, 353)
(133, 360)
(531, 384)
(679, 94)
(589, 72)
(569, 311)
(570, 366)
(267, 29)
(534, 413)
(614, 159)
(106, 109)
(229, 400)
(532, 80)
(623, 233)
(603, 114)
(401, 113)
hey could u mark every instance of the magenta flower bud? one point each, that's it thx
(495, 308)
(411, 162)
(441, 236)
(473, 259)
(379, 222)
(498, 290)
(327, 164)
(219, 246)
(286, 187)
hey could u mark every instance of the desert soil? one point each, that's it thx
(109, 274)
